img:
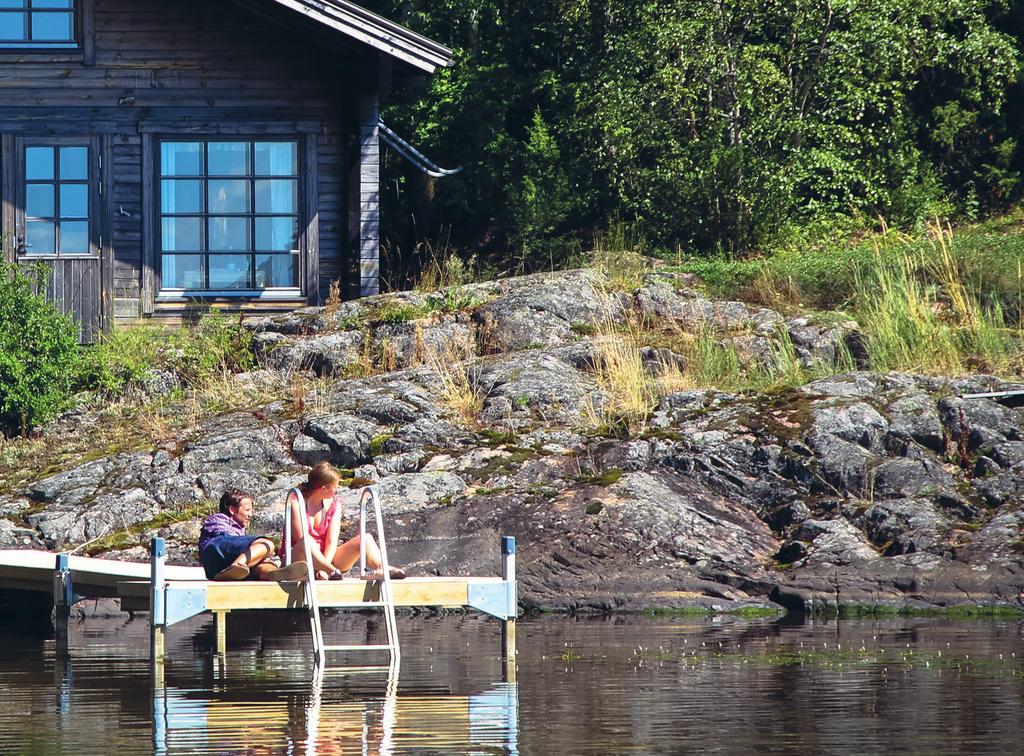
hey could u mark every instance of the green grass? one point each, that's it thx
(943, 301)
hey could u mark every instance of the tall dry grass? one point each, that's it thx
(922, 310)
(460, 389)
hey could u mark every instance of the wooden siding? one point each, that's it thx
(176, 65)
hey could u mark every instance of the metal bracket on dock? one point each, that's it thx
(182, 603)
(491, 598)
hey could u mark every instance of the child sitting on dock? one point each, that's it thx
(227, 553)
(323, 527)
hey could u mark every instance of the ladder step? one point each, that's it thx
(384, 647)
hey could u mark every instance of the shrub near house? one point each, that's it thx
(38, 351)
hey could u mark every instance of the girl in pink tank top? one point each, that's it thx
(330, 559)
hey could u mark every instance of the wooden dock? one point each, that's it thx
(172, 593)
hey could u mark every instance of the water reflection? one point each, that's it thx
(586, 685)
(341, 710)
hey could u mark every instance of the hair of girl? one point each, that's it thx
(322, 474)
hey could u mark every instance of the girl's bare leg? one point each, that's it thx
(320, 565)
(348, 554)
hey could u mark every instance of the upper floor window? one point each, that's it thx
(37, 23)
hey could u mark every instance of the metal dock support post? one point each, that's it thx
(508, 625)
(63, 598)
(157, 604)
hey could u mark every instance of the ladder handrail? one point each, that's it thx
(385, 566)
(310, 587)
(387, 596)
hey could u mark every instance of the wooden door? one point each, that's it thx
(60, 222)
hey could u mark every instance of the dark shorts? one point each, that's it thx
(220, 551)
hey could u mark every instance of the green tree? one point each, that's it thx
(711, 124)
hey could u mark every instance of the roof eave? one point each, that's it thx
(375, 31)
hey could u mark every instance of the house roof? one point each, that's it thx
(376, 31)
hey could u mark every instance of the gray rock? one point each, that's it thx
(904, 526)
(420, 342)
(658, 301)
(78, 481)
(835, 542)
(1002, 488)
(413, 492)
(15, 536)
(982, 420)
(254, 450)
(908, 478)
(662, 509)
(916, 417)
(1008, 454)
(543, 314)
(842, 466)
(325, 355)
(60, 527)
(821, 343)
(308, 451)
(159, 383)
(347, 436)
(546, 382)
(856, 422)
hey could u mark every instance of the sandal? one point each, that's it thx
(233, 572)
(395, 573)
(296, 571)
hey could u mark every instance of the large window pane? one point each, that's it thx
(52, 27)
(74, 163)
(74, 201)
(13, 3)
(39, 200)
(52, 3)
(275, 158)
(228, 196)
(74, 238)
(227, 158)
(229, 272)
(181, 196)
(181, 234)
(183, 272)
(181, 159)
(12, 27)
(40, 238)
(38, 163)
(228, 234)
(276, 271)
(236, 212)
(276, 234)
(276, 196)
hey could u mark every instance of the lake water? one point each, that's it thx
(581, 685)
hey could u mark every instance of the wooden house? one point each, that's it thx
(159, 155)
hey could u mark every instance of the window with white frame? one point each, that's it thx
(229, 214)
(37, 23)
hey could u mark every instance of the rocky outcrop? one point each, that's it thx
(857, 490)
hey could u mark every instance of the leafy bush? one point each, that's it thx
(195, 353)
(217, 343)
(38, 351)
(121, 357)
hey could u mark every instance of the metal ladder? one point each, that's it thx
(386, 600)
